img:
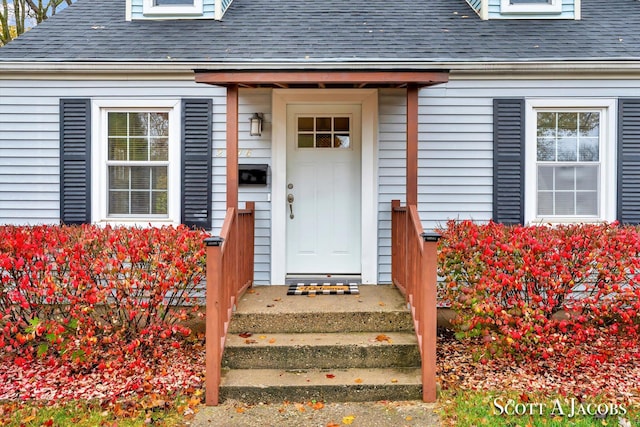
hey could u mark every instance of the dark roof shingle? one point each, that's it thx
(332, 31)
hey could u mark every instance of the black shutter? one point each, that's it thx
(629, 161)
(196, 162)
(508, 161)
(75, 161)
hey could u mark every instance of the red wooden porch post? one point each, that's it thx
(232, 146)
(430, 315)
(412, 144)
(213, 320)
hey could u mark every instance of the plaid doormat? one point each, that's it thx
(322, 288)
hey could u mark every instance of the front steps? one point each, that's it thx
(329, 348)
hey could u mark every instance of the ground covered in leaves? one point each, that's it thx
(461, 365)
(123, 390)
(175, 382)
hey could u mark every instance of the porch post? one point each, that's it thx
(213, 322)
(232, 146)
(412, 145)
(429, 285)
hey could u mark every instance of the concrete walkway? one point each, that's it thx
(362, 414)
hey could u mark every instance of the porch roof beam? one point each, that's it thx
(285, 78)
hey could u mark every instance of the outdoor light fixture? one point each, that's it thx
(256, 124)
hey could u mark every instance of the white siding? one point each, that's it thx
(29, 136)
(456, 139)
(257, 149)
(392, 125)
(455, 173)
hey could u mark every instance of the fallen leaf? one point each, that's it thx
(278, 299)
(317, 406)
(300, 407)
(358, 381)
(383, 337)
(409, 418)
(250, 341)
(348, 420)
(394, 380)
(272, 340)
(333, 425)
(330, 376)
(245, 335)
(381, 304)
(240, 410)
(262, 337)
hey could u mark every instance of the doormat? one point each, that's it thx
(322, 288)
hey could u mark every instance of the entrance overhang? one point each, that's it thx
(333, 79)
(306, 78)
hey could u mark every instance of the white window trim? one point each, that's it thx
(99, 147)
(554, 7)
(148, 8)
(608, 181)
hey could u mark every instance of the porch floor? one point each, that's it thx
(274, 299)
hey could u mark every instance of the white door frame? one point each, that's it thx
(368, 100)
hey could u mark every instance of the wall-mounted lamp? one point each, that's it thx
(256, 124)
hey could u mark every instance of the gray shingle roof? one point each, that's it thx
(300, 31)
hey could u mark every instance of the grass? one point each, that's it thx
(83, 414)
(471, 408)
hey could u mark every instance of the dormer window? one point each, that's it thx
(172, 7)
(530, 6)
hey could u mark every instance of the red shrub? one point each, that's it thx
(70, 291)
(539, 291)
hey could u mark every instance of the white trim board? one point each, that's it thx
(368, 99)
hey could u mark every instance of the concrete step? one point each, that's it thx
(326, 385)
(333, 348)
(268, 309)
(321, 350)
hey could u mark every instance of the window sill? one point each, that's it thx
(136, 222)
(566, 221)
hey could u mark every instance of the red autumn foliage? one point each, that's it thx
(539, 292)
(85, 294)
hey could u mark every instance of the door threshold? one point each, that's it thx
(343, 277)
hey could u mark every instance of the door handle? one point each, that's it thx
(290, 200)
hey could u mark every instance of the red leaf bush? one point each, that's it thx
(93, 295)
(543, 291)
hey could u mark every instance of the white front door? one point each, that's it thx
(323, 199)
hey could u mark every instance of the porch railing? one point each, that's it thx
(414, 272)
(229, 274)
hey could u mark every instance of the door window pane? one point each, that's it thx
(324, 132)
(323, 124)
(323, 140)
(305, 124)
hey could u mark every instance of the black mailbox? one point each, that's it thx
(255, 174)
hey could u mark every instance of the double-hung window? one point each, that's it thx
(570, 161)
(136, 163)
